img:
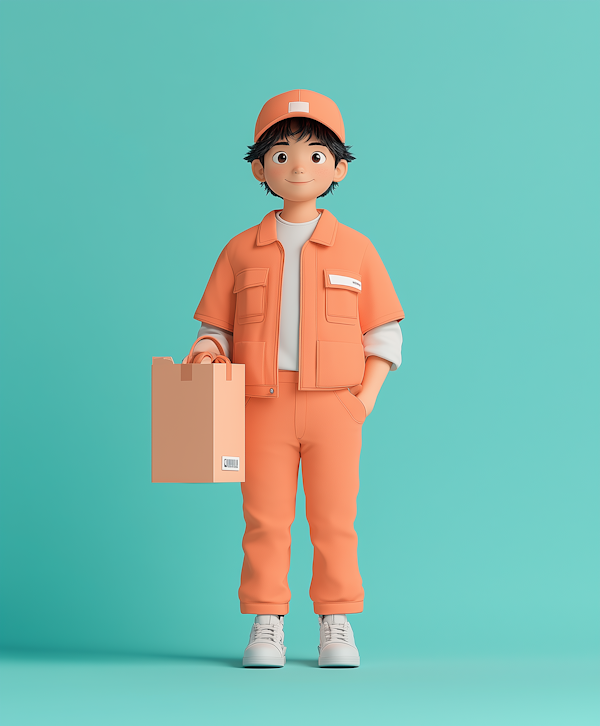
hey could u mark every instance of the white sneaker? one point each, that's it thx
(337, 648)
(265, 648)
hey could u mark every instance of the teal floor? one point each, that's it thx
(69, 689)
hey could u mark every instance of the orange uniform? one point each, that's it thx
(345, 291)
(309, 415)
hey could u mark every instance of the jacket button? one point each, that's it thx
(271, 390)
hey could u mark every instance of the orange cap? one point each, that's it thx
(300, 103)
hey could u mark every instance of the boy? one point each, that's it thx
(307, 305)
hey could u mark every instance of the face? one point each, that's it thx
(299, 171)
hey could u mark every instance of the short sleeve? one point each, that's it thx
(217, 306)
(377, 301)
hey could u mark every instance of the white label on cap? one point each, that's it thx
(298, 106)
(343, 280)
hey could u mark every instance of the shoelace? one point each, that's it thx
(336, 632)
(266, 633)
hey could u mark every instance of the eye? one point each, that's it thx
(280, 157)
(318, 157)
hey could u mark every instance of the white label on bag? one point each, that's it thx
(230, 463)
(343, 280)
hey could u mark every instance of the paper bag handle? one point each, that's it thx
(224, 359)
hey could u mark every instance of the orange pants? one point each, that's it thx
(324, 429)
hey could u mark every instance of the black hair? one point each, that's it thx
(307, 127)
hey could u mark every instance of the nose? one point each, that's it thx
(299, 170)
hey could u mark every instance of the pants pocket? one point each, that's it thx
(353, 405)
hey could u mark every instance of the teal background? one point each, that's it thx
(475, 130)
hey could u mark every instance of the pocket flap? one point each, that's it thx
(343, 279)
(251, 277)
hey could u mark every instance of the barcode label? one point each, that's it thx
(230, 463)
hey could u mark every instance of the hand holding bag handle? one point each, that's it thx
(189, 358)
(207, 357)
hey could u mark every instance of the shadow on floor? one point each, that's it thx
(111, 657)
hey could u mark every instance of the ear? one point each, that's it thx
(258, 170)
(340, 170)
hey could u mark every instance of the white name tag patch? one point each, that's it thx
(344, 280)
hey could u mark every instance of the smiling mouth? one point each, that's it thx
(305, 182)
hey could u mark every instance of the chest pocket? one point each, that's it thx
(342, 289)
(251, 290)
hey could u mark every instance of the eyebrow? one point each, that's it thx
(287, 143)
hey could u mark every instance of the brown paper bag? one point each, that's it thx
(198, 419)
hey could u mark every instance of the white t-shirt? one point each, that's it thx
(384, 341)
(293, 237)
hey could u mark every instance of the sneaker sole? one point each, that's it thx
(264, 662)
(339, 662)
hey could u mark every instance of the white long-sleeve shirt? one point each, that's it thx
(384, 341)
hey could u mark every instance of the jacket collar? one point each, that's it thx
(324, 233)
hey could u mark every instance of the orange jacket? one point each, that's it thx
(345, 291)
